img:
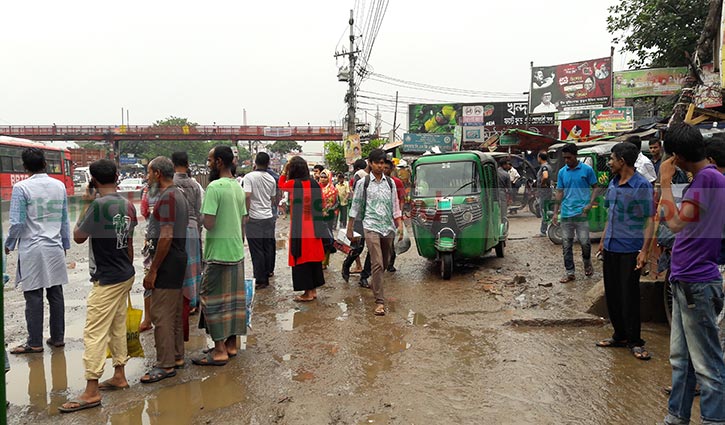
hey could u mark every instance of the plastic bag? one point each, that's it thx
(133, 321)
(249, 285)
(401, 244)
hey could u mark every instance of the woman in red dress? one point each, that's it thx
(306, 251)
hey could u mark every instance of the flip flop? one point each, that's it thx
(641, 353)
(82, 405)
(26, 349)
(588, 270)
(108, 386)
(180, 366)
(380, 310)
(55, 344)
(157, 374)
(208, 360)
(611, 342)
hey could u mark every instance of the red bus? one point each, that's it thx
(11, 164)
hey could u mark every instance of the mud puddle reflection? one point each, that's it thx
(180, 403)
(378, 353)
(294, 318)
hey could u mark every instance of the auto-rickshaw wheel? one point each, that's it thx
(554, 233)
(534, 207)
(446, 265)
(499, 249)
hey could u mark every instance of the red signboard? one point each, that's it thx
(575, 130)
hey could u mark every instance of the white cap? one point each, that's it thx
(402, 163)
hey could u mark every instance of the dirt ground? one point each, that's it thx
(501, 342)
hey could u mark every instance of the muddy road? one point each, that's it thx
(469, 350)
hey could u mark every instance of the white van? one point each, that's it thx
(81, 178)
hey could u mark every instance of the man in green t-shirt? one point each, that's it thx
(222, 295)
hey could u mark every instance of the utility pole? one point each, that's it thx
(350, 96)
(351, 83)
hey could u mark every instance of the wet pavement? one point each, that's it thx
(459, 351)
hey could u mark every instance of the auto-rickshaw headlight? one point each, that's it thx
(467, 217)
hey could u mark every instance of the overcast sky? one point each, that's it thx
(79, 62)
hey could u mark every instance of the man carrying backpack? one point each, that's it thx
(375, 202)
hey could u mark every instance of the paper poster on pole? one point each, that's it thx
(352, 148)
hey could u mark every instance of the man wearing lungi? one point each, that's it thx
(222, 295)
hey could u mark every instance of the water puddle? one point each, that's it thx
(377, 356)
(180, 403)
(344, 313)
(378, 418)
(293, 318)
(417, 319)
(45, 381)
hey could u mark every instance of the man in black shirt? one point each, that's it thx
(167, 228)
(108, 220)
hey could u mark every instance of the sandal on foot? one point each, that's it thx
(81, 405)
(26, 349)
(208, 360)
(380, 310)
(588, 270)
(109, 386)
(640, 353)
(611, 342)
(209, 350)
(157, 374)
(568, 278)
(55, 343)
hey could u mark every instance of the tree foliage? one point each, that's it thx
(174, 121)
(335, 155)
(658, 32)
(197, 150)
(284, 147)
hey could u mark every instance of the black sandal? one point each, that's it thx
(641, 353)
(157, 374)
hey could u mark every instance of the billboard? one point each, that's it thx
(571, 86)
(443, 118)
(433, 118)
(611, 120)
(415, 142)
(649, 82)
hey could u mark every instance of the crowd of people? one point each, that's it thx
(185, 274)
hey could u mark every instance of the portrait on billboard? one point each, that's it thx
(571, 86)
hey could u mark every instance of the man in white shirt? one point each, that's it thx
(545, 106)
(643, 165)
(261, 190)
(40, 232)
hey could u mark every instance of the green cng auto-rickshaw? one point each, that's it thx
(455, 208)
